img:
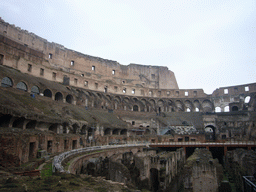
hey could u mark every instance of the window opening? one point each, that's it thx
(246, 88)
(75, 81)
(113, 72)
(72, 63)
(29, 67)
(186, 93)
(54, 76)
(225, 91)
(133, 91)
(50, 56)
(41, 71)
(93, 68)
(124, 90)
(96, 85)
(86, 83)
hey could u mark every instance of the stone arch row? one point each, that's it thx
(102, 100)
(157, 105)
(7, 120)
(114, 131)
(35, 90)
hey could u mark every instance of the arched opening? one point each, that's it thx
(107, 131)
(47, 93)
(31, 124)
(83, 130)
(54, 128)
(69, 99)
(115, 132)
(196, 109)
(6, 82)
(65, 127)
(22, 86)
(234, 108)
(210, 131)
(5, 120)
(207, 106)
(135, 108)
(58, 96)
(90, 132)
(75, 128)
(154, 179)
(247, 99)
(217, 109)
(91, 169)
(18, 123)
(226, 109)
(35, 90)
(123, 132)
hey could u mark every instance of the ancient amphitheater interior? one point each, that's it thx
(129, 124)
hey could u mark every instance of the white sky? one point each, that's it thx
(207, 44)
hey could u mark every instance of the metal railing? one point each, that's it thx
(57, 160)
(205, 143)
(249, 184)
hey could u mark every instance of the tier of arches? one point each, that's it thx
(93, 99)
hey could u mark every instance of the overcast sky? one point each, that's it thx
(207, 44)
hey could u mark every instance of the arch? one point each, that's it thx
(196, 105)
(179, 105)
(69, 99)
(6, 82)
(22, 86)
(135, 108)
(247, 99)
(75, 128)
(188, 105)
(58, 96)
(107, 131)
(5, 120)
(211, 130)
(54, 128)
(217, 109)
(19, 122)
(47, 93)
(234, 108)
(83, 130)
(35, 90)
(31, 124)
(115, 132)
(118, 99)
(226, 109)
(126, 100)
(65, 127)
(207, 106)
(90, 132)
(123, 132)
(91, 169)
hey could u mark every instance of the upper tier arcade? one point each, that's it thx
(77, 69)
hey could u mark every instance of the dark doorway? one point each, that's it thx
(32, 150)
(74, 144)
(49, 146)
(154, 179)
(135, 108)
(5, 120)
(217, 152)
